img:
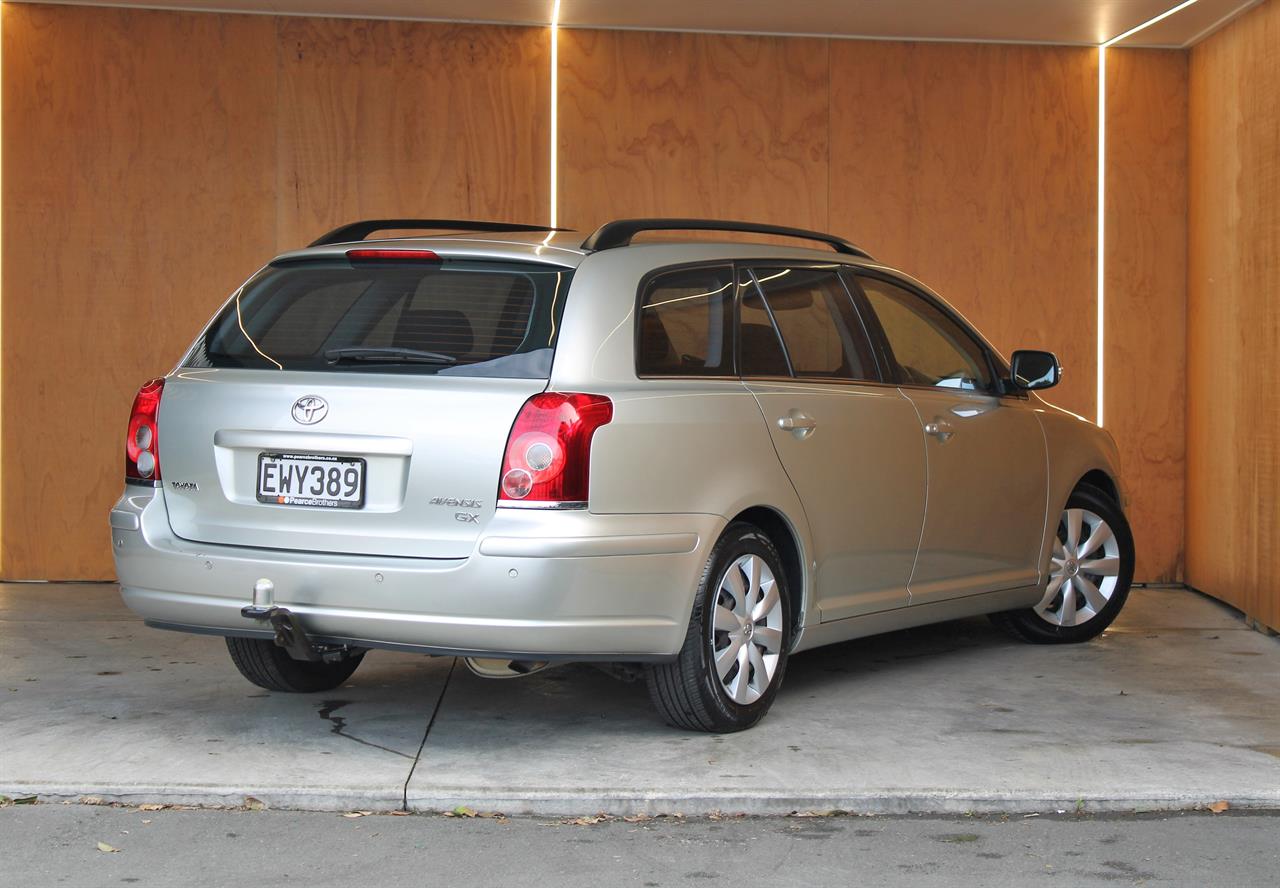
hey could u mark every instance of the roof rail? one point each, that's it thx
(358, 231)
(619, 232)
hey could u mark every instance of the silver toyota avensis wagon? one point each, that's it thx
(693, 458)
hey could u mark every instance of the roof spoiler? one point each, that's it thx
(358, 231)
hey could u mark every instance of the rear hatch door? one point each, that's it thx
(357, 407)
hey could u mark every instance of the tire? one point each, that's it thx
(269, 666)
(690, 692)
(1079, 603)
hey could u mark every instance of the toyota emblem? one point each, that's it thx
(310, 409)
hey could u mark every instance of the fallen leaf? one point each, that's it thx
(398, 813)
(462, 811)
(1219, 807)
(151, 806)
(107, 849)
(146, 821)
(638, 818)
(254, 804)
(492, 815)
(351, 815)
(91, 800)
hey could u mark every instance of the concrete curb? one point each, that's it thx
(621, 804)
(625, 804)
(290, 798)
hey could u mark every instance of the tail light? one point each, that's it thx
(142, 446)
(548, 458)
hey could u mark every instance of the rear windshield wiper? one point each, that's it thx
(388, 355)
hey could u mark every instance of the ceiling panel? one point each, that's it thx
(1191, 24)
(1039, 21)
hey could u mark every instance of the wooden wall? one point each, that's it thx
(383, 119)
(973, 167)
(153, 160)
(138, 192)
(1146, 285)
(176, 171)
(1233, 316)
(666, 124)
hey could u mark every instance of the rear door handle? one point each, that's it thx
(801, 424)
(940, 429)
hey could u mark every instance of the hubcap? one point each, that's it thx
(1083, 570)
(746, 630)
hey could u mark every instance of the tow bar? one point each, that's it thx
(289, 632)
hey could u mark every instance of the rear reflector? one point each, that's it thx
(392, 256)
(548, 457)
(142, 445)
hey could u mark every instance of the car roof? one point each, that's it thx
(564, 248)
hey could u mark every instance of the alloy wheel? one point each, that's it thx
(1084, 569)
(746, 629)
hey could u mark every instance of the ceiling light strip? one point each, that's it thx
(1149, 22)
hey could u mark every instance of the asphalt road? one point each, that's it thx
(56, 844)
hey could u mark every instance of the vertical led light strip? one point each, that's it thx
(1102, 191)
(2, 17)
(1102, 227)
(555, 107)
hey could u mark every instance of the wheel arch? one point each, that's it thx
(1104, 482)
(786, 540)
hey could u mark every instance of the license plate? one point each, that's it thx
(328, 482)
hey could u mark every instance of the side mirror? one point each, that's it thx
(1035, 369)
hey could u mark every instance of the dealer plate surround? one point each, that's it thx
(311, 479)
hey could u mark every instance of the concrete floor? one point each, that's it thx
(1177, 706)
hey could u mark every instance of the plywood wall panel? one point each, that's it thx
(387, 119)
(1233, 316)
(974, 168)
(1146, 295)
(692, 125)
(152, 160)
(139, 157)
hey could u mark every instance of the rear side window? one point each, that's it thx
(685, 325)
(452, 319)
(824, 337)
(762, 353)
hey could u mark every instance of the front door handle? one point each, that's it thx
(940, 429)
(800, 423)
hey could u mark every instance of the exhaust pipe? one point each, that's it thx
(486, 667)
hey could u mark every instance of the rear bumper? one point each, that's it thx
(539, 585)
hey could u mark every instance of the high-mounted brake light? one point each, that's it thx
(548, 457)
(392, 256)
(142, 446)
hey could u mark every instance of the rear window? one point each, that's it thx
(686, 323)
(450, 319)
